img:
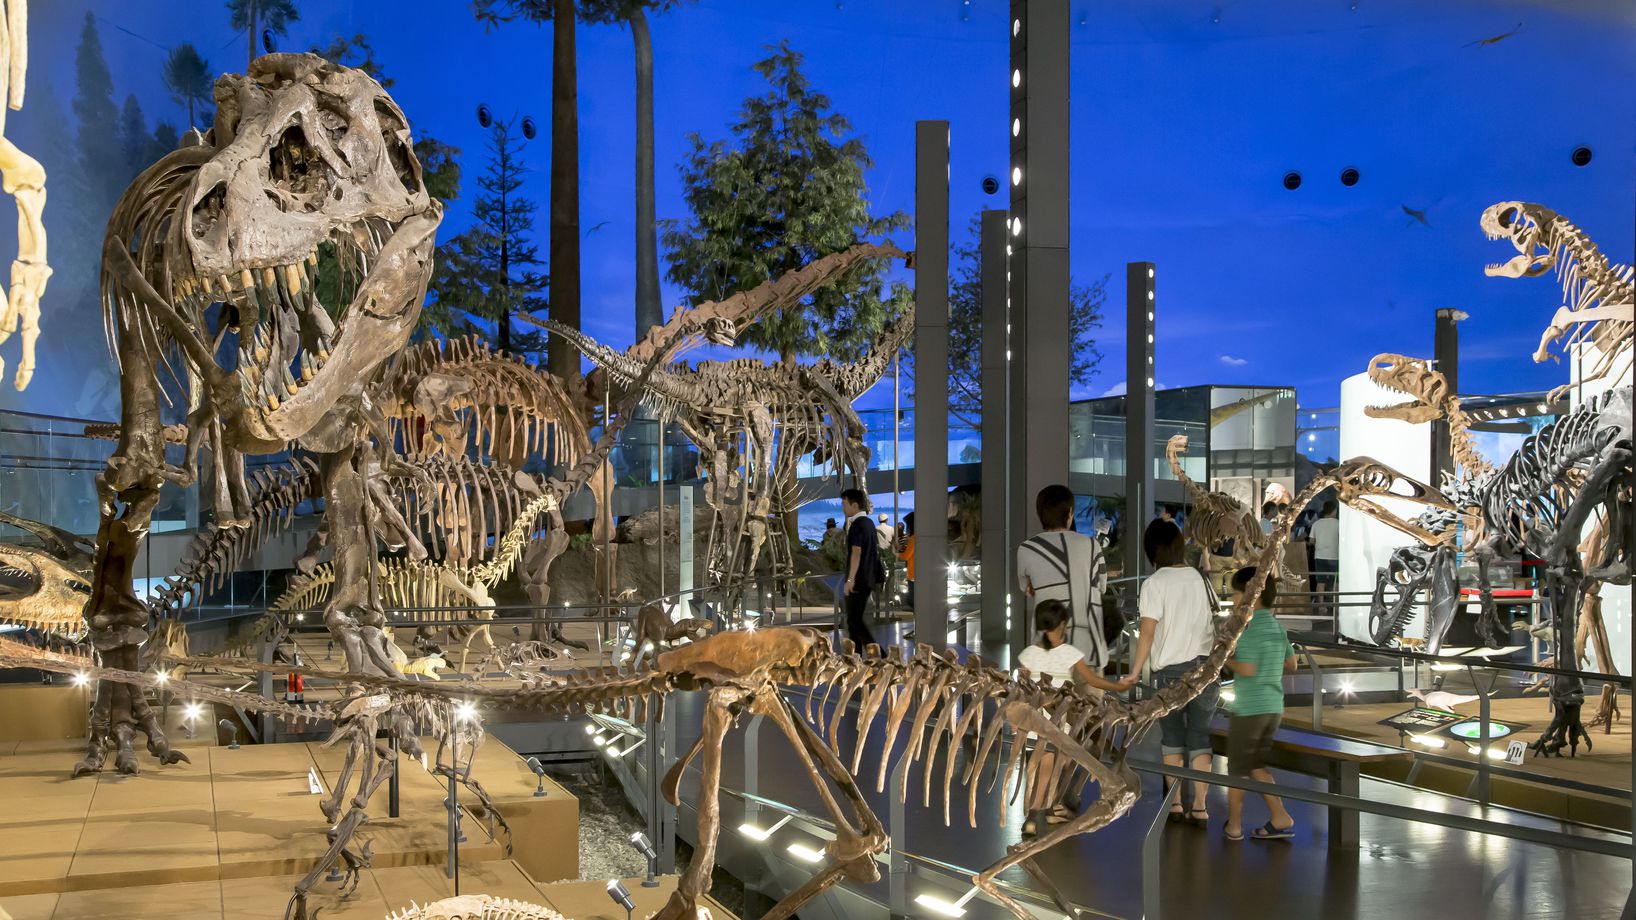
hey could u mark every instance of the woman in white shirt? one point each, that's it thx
(1178, 626)
(1053, 657)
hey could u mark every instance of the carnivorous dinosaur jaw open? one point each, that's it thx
(1363, 483)
(1511, 220)
(312, 165)
(1413, 377)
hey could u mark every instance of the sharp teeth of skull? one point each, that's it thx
(261, 345)
(289, 381)
(307, 368)
(292, 279)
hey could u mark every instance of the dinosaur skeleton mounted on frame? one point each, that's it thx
(1564, 497)
(752, 672)
(753, 424)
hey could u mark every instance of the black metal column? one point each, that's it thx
(931, 381)
(1446, 352)
(1139, 384)
(1038, 234)
(998, 560)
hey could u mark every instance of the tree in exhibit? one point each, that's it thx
(257, 16)
(789, 186)
(187, 76)
(491, 271)
(563, 249)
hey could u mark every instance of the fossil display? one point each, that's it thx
(754, 423)
(1598, 297)
(23, 178)
(1564, 496)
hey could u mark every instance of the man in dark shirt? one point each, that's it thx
(863, 566)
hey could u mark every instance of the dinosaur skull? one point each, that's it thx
(38, 591)
(1363, 482)
(1511, 220)
(312, 164)
(1412, 377)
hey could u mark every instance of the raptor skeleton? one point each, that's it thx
(22, 177)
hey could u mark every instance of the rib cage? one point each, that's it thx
(511, 409)
(1530, 493)
(216, 553)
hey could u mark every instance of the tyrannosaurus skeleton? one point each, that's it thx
(306, 161)
(22, 177)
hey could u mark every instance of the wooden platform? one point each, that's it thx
(1606, 764)
(245, 814)
(380, 893)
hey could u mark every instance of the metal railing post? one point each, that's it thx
(1151, 843)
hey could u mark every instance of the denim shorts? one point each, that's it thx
(1187, 730)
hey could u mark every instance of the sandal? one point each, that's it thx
(1176, 816)
(1230, 836)
(1199, 817)
(1269, 831)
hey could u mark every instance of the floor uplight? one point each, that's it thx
(944, 908)
(760, 834)
(805, 853)
(1435, 744)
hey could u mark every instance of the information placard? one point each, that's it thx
(1422, 720)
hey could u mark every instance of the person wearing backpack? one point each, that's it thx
(1061, 565)
(1178, 626)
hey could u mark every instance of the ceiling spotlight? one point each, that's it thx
(1581, 156)
(192, 711)
(466, 711)
(1349, 177)
(81, 679)
(162, 676)
(485, 118)
(991, 185)
(529, 131)
(1292, 180)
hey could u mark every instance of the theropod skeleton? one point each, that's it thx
(1598, 297)
(213, 254)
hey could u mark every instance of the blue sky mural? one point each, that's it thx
(1185, 117)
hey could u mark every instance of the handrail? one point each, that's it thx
(1557, 839)
(1383, 652)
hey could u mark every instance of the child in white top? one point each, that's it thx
(1052, 657)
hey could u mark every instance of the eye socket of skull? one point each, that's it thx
(207, 213)
(1506, 217)
(395, 138)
